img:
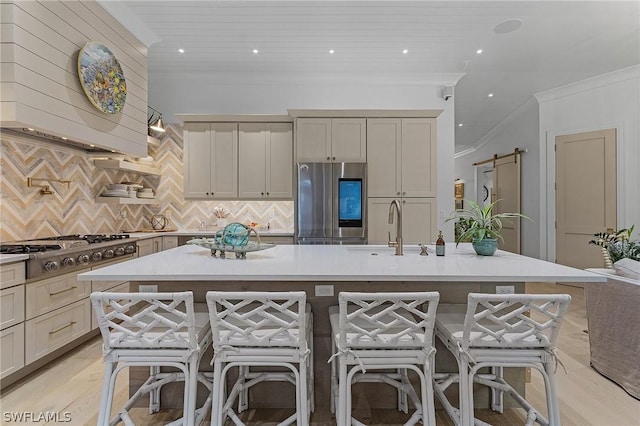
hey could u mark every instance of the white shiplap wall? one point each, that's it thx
(40, 86)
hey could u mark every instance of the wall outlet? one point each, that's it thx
(123, 213)
(505, 289)
(147, 288)
(324, 290)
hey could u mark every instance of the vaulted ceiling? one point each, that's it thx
(557, 43)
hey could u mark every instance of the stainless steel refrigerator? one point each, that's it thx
(331, 203)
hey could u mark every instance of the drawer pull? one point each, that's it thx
(62, 291)
(62, 328)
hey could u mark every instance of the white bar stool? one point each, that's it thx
(152, 330)
(260, 329)
(383, 331)
(497, 331)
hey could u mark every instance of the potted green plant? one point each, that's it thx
(481, 226)
(617, 246)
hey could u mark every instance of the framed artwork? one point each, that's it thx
(459, 190)
(459, 204)
(101, 77)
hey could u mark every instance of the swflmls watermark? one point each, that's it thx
(36, 417)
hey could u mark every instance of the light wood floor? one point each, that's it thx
(72, 384)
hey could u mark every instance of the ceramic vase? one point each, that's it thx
(485, 247)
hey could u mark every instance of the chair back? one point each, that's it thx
(258, 319)
(513, 320)
(387, 320)
(146, 320)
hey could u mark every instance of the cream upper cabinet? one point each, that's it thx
(401, 156)
(328, 140)
(418, 220)
(265, 152)
(211, 160)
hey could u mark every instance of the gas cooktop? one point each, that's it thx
(58, 243)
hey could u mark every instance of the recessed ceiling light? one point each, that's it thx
(479, 51)
(113, 150)
(405, 51)
(507, 26)
(491, 95)
(459, 124)
(181, 50)
(63, 138)
(331, 51)
(255, 51)
(31, 129)
(91, 145)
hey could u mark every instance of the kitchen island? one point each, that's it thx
(335, 269)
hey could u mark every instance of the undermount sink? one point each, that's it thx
(384, 251)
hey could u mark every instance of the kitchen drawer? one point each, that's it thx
(104, 285)
(169, 242)
(11, 306)
(12, 274)
(11, 350)
(122, 288)
(50, 331)
(46, 295)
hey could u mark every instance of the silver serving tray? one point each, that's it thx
(240, 251)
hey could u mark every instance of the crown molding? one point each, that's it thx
(589, 84)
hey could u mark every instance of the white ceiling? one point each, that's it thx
(558, 43)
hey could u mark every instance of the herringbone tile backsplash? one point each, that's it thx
(25, 213)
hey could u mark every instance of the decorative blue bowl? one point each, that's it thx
(485, 247)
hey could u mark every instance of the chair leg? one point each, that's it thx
(466, 394)
(217, 416)
(552, 398)
(403, 405)
(106, 396)
(428, 397)
(243, 398)
(341, 416)
(497, 395)
(334, 383)
(301, 394)
(154, 395)
(191, 388)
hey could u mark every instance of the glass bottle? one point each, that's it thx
(440, 245)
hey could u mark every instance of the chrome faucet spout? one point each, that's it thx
(395, 206)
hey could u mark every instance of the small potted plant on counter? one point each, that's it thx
(620, 252)
(481, 226)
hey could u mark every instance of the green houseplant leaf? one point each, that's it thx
(477, 223)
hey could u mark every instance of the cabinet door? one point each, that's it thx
(349, 140)
(418, 157)
(279, 161)
(12, 306)
(11, 350)
(224, 160)
(313, 140)
(419, 220)
(145, 247)
(197, 160)
(169, 242)
(252, 159)
(378, 221)
(383, 157)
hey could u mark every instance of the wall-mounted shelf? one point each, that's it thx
(142, 169)
(125, 200)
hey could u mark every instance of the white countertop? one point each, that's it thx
(339, 263)
(208, 233)
(11, 258)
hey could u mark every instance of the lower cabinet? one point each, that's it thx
(51, 331)
(11, 349)
(11, 306)
(275, 239)
(418, 220)
(156, 244)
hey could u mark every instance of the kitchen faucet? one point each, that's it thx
(398, 242)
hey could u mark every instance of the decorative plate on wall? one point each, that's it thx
(102, 78)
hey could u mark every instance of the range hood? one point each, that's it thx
(58, 140)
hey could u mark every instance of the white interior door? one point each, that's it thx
(506, 188)
(585, 195)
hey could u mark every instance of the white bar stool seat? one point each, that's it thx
(497, 331)
(153, 330)
(378, 332)
(261, 329)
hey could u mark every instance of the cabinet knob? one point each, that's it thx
(404, 193)
(334, 158)
(262, 193)
(404, 201)
(267, 194)
(207, 193)
(328, 158)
